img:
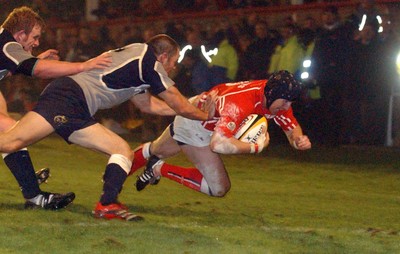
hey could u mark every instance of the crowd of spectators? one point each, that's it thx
(352, 71)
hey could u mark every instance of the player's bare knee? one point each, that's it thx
(220, 191)
(125, 150)
(10, 147)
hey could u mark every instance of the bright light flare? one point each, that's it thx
(183, 51)
(209, 53)
(362, 23)
(307, 63)
(304, 75)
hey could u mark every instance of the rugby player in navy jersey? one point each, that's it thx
(19, 34)
(67, 106)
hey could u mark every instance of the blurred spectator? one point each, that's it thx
(66, 10)
(176, 30)
(110, 9)
(260, 51)
(308, 33)
(311, 24)
(330, 72)
(237, 4)
(85, 47)
(184, 74)
(198, 74)
(288, 56)
(249, 23)
(148, 32)
(105, 42)
(259, 3)
(20, 97)
(133, 34)
(243, 70)
(365, 9)
(64, 42)
(176, 6)
(151, 7)
(224, 65)
(367, 126)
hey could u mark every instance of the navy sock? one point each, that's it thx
(114, 179)
(20, 165)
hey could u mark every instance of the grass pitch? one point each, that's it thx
(327, 200)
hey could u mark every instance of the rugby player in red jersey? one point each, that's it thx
(203, 141)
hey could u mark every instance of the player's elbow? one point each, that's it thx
(216, 147)
(42, 73)
(222, 147)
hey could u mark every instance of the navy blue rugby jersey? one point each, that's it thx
(134, 69)
(13, 57)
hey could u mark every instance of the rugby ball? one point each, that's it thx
(251, 128)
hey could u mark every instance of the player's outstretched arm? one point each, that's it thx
(181, 105)
(297, 139)
(224, 145)
(53, 69)
(152, 105)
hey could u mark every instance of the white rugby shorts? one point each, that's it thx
(190, 132)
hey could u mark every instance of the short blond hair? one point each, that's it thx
(22, 18)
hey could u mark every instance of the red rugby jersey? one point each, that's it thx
(238, 100)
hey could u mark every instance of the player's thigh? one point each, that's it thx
(165, 146)
(99, 138)
(209, 164)
(6, 122)
(30, 129)
(3, 104)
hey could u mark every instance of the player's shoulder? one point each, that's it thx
(6, 37)
(133, 50)
(243, 85)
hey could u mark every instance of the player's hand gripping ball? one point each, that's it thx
(253, 129)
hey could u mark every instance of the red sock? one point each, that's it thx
(139, 160)
(189, 177)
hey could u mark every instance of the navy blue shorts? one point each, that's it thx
(63, 105)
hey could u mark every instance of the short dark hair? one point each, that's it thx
(22, 18)
(162, 43)
(331, 9)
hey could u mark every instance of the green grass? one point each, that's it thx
(327, 200)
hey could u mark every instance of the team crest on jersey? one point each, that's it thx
(60, 120)
(231, 126)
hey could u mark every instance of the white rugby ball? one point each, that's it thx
(251, 128)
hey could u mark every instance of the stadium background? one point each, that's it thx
(111, 24)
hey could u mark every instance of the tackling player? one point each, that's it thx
(68, 104)
(19, 34)
(202, 142)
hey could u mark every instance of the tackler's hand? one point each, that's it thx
(206, 102)
(100, 62)
(50, 54)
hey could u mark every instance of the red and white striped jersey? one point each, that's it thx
(238, 100)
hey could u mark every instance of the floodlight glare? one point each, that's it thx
(304, 75)
(307, 63)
